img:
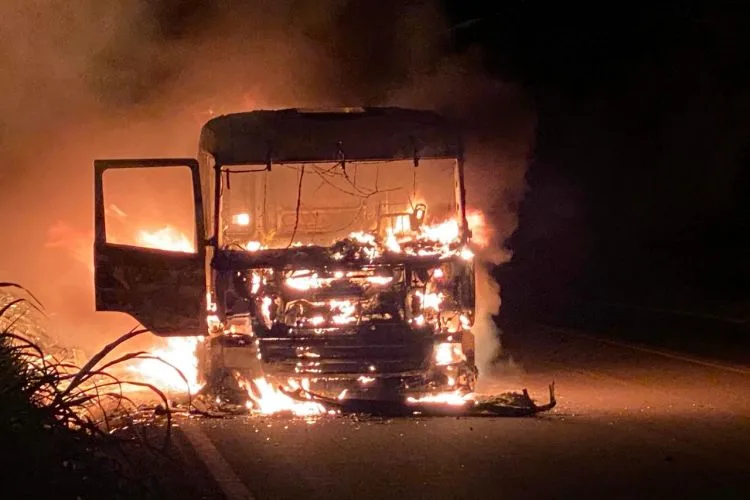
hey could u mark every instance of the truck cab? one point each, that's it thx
(324, 246)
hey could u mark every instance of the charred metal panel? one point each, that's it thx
(291, 135)
(389, 349)
(164, 290)
(465, 286)
(312, 257)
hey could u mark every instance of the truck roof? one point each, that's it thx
(355, 134)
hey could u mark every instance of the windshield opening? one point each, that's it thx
(321, 203)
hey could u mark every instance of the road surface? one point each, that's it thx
(630, 423)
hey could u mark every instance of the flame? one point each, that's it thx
(178, 352)
(465, 322)
(391, 243)
(267, 400)
(444, 232)
(345, 309)
(466, 253)
(363, 238)
(266, 308)
(254, 246)
(452, 398)
(213, 322)
(481, 233)
(166, 238)
(317, 320)
(447, 353)
(379, 280)
(303, 280)
(402, 224)
(430, 300)
(441, 239)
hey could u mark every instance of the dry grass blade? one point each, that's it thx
(10, 304)
(89, 366)
(72, 394)
(25, 343)
(7, 284)
(74, 424)
(146, 355)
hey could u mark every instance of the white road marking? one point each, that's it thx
(230, 484)
(667, 354)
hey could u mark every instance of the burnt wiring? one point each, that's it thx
(234, 244)
(324, 173)
(353, 184)
(337, 188)
(347, 225)
(414, 183)
(363, 195)
(346, 176)
(297, 209)
(330, 172)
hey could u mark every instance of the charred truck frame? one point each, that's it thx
(337, 252)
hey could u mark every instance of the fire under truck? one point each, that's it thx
(330, 246)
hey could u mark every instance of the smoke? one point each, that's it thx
(498, 124)
(86, 79)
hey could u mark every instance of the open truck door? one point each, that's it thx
(162, 284)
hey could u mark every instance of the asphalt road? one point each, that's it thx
(629, 424)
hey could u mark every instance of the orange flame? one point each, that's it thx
(481, 233)
(453, 398)
(444, 232)
(166, 238)
(178, 352)
(345, 311)
(267, 400)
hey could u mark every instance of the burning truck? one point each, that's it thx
(330, 250)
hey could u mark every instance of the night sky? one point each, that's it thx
(638, 181)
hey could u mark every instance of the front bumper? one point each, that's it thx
(343, 366)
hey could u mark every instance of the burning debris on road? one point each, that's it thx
(294, 400)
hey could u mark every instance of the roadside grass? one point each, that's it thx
(69, 431)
